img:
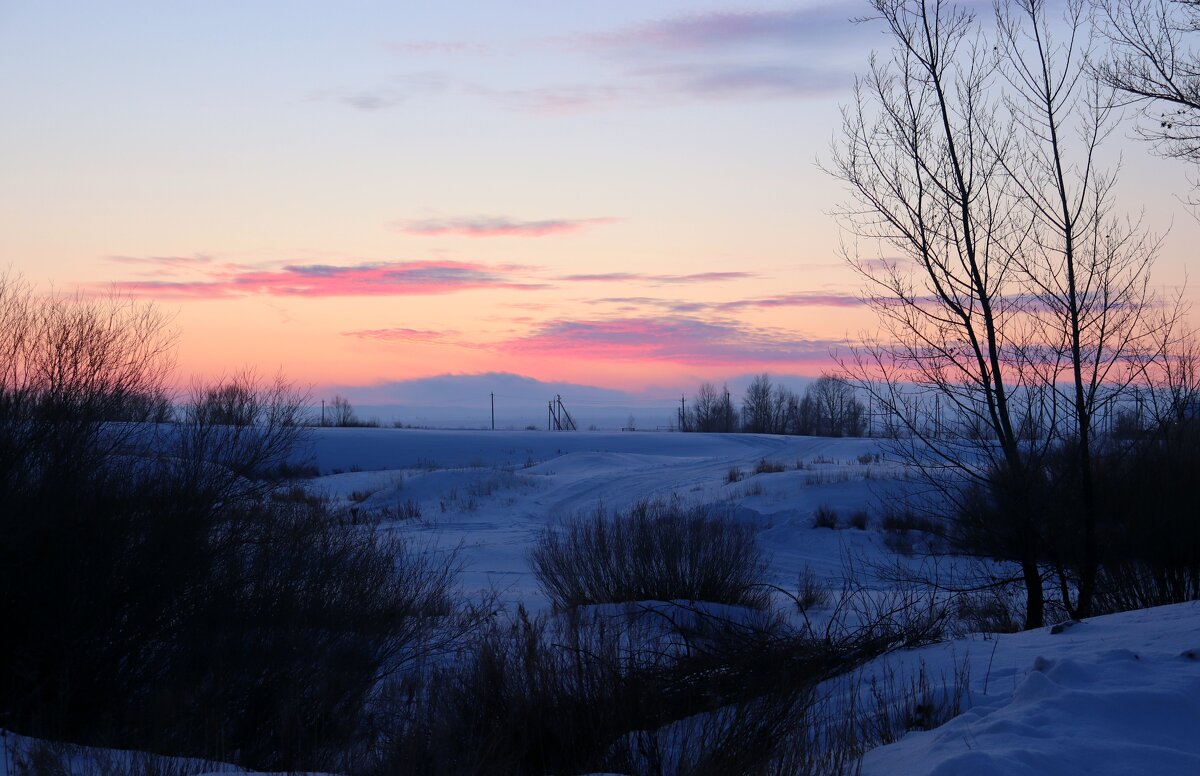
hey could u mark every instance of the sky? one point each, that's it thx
(366, 195)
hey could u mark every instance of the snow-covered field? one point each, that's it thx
(492, 493)
(1112, 695)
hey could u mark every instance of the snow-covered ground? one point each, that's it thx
(1118, 694)
(490, 494)
(1112, 695)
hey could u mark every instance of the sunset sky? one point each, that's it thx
(620, 194)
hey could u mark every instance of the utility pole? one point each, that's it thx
(322, 412)
(493, 411)
(682, 412)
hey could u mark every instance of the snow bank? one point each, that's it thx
(1111, 695)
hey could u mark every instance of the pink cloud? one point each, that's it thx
(830, 299)
(634, 277)
(402, 334)
(415, 278)
(497, 226)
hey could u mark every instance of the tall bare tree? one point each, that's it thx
(341, 412)
(759, 415)
(924, 180)
(1018, 303)
(1086, 272)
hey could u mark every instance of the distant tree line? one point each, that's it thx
(340, 412)
(828, 407)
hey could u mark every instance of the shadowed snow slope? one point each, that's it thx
(489, 495)
(1111, 695)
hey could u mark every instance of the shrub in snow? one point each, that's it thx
(768, 467)
(825, 517)
(810, 592)
(654, 551)
(598, 691)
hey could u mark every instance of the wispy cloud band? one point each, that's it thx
(493, 226)
(675, 339)
(324, 280)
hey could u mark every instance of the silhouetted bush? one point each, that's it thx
(655, 551)
(899, 520)
(825, 517)
(1143, 507)
(1149, 532)
(679, 690)
(810, 591)
(529, 696)
(158, 590)
(768, 467)
(859, 519)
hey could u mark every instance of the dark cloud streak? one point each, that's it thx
(675, 339)
(827, 25)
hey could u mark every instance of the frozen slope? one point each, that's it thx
(488, 495)
(1111, 695)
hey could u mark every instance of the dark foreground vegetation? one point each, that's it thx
(166, 589)
(160, 590)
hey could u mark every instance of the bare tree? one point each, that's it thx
(832, 409)
(341, 412)
(1174, 378)
(925, 182)
(712, 410)
(1019, 303)
(1087, 273)
(1154, 62)
(705, 409)
(69, 364)
(758, 407)
(727, 415)
(242, 424)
